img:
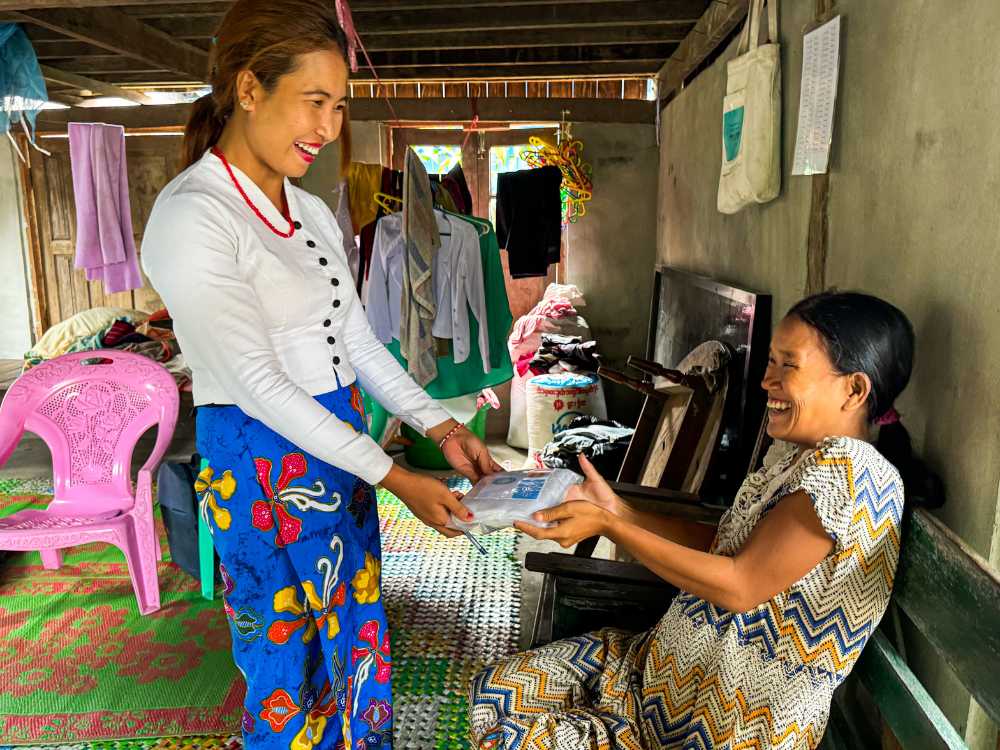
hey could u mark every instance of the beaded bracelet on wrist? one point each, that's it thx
(451, 433)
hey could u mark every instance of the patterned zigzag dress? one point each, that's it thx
(705, 677)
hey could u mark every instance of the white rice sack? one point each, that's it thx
(517, 431)
(553, 401)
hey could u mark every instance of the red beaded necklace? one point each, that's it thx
(284, 201)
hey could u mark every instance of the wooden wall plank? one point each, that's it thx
(491, 109)
(561, 89)
(431, 90)
(406, 90)
(517, 89)
(537, 89)
(635, 89)
(609, 89)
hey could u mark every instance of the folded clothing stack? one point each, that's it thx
(559, 353)
(603, 441)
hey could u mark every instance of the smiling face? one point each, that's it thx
(287, 126)
(808, 400)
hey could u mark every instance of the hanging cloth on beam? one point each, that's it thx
(22, 88)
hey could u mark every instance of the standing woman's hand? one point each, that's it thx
(466, 453)
(428, 498)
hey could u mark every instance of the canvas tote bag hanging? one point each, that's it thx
(751, 116)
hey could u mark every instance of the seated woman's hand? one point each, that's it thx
(595, 489)
(575, 521)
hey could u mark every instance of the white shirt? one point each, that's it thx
(458, 285)
(267, 322)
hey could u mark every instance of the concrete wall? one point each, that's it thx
(612, 250)
(367, 145)
(15, 319)
(912, 217)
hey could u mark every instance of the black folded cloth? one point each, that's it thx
(570, 352)
(603, 441)
(529, 219)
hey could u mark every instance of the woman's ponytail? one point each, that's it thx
(202, 131)
(923, 487)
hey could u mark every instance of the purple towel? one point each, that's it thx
(105, 247)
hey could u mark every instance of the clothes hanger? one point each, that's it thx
(444, 213)
(389, 202)
(482, 226)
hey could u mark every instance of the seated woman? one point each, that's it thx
(776, 604)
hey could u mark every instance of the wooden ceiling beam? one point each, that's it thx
(29, 5)
(520, 17)
(117, 32)
(63, 50)
(83, 83)
(358, 8)
(111, 65)
(609, 36)
(521, 56)
(595, 36)
(719, 20)
(64, 97)
(422, 110)
(532, 16)
(555, 70)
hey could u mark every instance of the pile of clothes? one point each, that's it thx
(114, 328)
(560, 353)
(603, 441)
(556, 313)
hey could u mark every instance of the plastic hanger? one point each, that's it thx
(389, 202)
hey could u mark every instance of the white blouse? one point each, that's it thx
(458, 285)
(267, 322)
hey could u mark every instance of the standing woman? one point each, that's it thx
(255, 278)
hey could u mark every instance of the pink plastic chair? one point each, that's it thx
(91, 408)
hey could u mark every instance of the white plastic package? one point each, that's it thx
(498, 500)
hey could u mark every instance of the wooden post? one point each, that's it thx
(39, 309)
(818, 237)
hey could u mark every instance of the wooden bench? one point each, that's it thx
(943, 588)
(952, 597)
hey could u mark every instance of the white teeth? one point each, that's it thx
(778, 405)
(308, 149)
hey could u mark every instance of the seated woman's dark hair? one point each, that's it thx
(865, 334)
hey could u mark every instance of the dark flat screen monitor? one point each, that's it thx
(688, 310)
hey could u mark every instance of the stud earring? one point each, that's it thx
(245, 104)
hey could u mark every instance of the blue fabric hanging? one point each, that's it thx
(22, 88)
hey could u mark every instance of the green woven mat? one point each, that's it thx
(81, 664)
(452, 609)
